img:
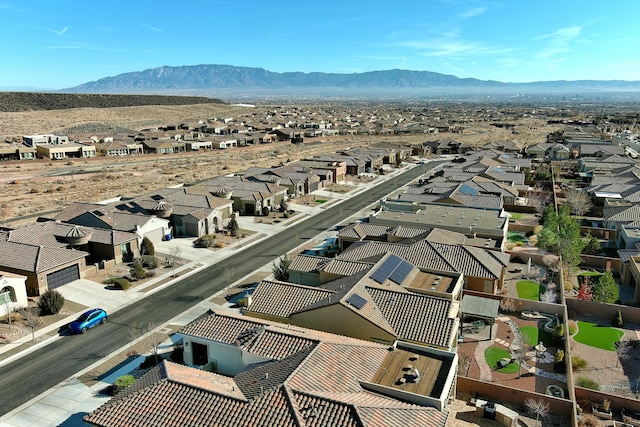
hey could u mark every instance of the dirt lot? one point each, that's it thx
(32, 188)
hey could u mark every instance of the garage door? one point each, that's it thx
(62, 277)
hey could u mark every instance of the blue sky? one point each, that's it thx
(54, 44)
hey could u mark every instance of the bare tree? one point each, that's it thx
(578, 201)
(539, 408)
(173, 258)
(623, 350)
(507, 305)
(134, 331)
(31, 319)
(155, 339)
(538, 198)
(551, 262)
(519, 355)
(8, 305)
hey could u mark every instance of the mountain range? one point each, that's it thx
(220, 80)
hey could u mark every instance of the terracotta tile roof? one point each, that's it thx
(281, 299)
(345, 267)
(318, 385)
(348, 364)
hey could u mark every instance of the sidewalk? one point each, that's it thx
(66, 404)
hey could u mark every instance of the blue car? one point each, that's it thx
(88, 320)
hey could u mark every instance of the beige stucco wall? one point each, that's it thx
(341, 320)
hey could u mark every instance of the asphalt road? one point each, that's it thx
(44, 368)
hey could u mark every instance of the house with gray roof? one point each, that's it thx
(249, 197)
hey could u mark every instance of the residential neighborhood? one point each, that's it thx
(495, 282)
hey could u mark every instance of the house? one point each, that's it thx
(337, 170)
(13, 292)
(483, 269)
(120, 148)
(361, 307)
(153, 227)
(162, 146)
(192, 211)
(197, 145)
(261, 374)
(446, 146)
(476, 222)
(44, 267)
(63, 151)
(14, 151)
(249, 197)
(34, 140)
(51, 254)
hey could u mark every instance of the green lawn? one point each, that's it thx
(532, 335)
(493, 354)
(602, 337)
(515, 215)
(528, 289)
(320, 201)
(513, 237)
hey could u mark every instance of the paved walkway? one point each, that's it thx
(66, 404)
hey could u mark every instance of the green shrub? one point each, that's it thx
(578, 363)
(572, 328)
(587, 383)
(122, 283)
(617, 320)
(51, 302)
(137, 271)
(149, 261)
(123, 382)
(146, 247)
(204, 241)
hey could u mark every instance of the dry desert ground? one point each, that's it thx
(32, 188)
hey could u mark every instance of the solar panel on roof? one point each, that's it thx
(357, 301)
(466, 189)
(383, 272)
(401, 272)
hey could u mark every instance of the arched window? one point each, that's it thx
(8, 294)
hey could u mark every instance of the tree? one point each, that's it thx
(551, 262)
(578, 201)
(592, 246)
(549, 216)
(284, 206)
(281, 270)
(558, 332)
(146, 247)
(233, 226)
(584, 292)
(606, 289)
(539, 408)
(173, 258)
(51, 302)
(31, 319)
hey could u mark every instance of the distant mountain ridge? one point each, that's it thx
(212, 78)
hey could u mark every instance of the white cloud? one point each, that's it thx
(470, 13)
(559, 42)
(152, 28)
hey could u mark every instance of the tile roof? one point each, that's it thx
(469, 260)
(318, 385)
(281, 299)
(35, 259)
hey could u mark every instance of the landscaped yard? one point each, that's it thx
(515, 215)
(532, 336)
(493, 354)
(528, 289)
(603, 337)
(513, 237)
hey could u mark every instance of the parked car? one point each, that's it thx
(88, 320)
